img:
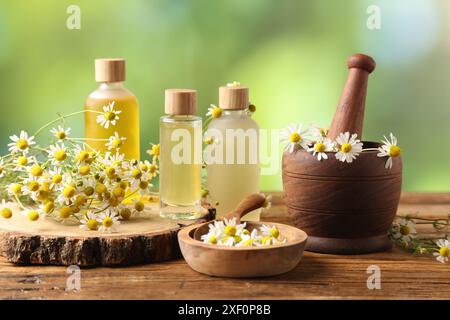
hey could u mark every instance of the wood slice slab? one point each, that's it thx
(145, 239)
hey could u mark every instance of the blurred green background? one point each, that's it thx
(290, 53)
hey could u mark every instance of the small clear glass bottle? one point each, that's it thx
(231, 181)
(181, 156)
(110, 73)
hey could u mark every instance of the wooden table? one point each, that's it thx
(318, 276)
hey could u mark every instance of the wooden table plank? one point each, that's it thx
(318, 276)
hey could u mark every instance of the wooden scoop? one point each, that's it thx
(240, 262)
(250, 203)
(349, 114)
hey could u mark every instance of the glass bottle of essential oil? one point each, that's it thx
(110, 73)
(180, 157)
(237, 134)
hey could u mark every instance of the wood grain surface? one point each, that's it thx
(318, 276)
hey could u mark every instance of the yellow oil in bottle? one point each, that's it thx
(126, 126)
(180, 170)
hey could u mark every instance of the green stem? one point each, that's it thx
(62, 118)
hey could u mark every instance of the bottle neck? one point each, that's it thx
(234, 112)
(111, 85)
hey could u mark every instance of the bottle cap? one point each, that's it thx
(181, 102)
(110, 70)
(233, 97)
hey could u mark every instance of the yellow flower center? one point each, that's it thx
(92, 224)
(346, 147)
(404, 230)
(209, 140)
(248, 242)
(114, 202)
(319, 147)
(230, 231)
(17, 188)
(82, 156)
(111, 172)
(89, 191)
(123, 185)
(100, 188)
(295, 137)
(118, 192)
(125, 213)
(155, 150)
(65, 212)
(42, 195)
(61, 135)
(139, 206)
(6, 213)
(107, 222)
(444, 251)
(237, 239)
(274, 232)
(143, 184)
(60, 155)
(110, 116)
(57, 178)
(213, 240)
(136, 173)
(33, 186)
(80, 200)
(252, 108)
(49, 207)
(116, 143)
(204, 193)
(22, 144)
(267, 240)
(395, 151)
(84, 170)
(216, 112)
(36, 170)
(33, 215)
(22, 161)
(69, 192)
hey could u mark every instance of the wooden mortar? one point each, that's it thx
(345, 208)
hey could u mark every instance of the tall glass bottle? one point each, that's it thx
(111, 93)
(237, 136)
(181, 153)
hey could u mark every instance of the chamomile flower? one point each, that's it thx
(318, 132)
(138, 205)
(60, 133)
(234, 84)
(269, 240)
(21, 163)
(232, 228)
(320, 147)
(89, 221)
(57, 153)
(56, 176)
(115, 141)
(21, 143)
(212, 237)
(32, 214)
(67, 195)
(15, 189)
(271, 231)
(108, 221)
(6, 209)
(250, 240)
(349, 147)
(443, 255)
(295, 137)
(154, 151)
(389, 149)
(151, 168)
(109, 116)
(404, 230)
(214, 112)
(81, 154)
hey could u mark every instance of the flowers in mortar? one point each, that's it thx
(231, 234)
(346, 147)
(69, 180)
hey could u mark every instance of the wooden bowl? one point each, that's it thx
(243, 262)
(346, 208)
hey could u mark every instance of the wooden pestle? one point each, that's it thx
(349, 114)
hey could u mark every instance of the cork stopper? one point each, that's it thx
(110, 70)
(233, 97)
(181, 102)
